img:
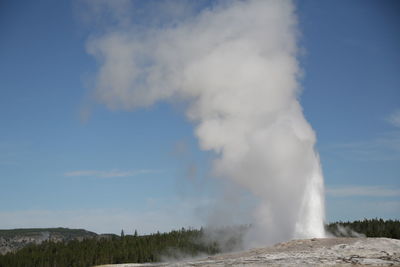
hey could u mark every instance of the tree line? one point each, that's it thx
(157, 247)
(367, 227)
(113, 250)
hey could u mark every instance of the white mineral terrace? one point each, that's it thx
(309, 252)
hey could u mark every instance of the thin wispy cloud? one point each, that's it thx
(108, 174)
(362, 191)
(382, 148)
(394, 118)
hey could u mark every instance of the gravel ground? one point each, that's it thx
(308, 252)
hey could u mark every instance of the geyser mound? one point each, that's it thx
(235, 65)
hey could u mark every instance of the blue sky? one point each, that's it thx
(142, 169)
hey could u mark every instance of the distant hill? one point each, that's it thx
(15, 239)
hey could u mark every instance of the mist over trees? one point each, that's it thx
(367, 228)
(122, 249)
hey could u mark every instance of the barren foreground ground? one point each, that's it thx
(309, 252)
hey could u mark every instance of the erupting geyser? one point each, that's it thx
(236, 67)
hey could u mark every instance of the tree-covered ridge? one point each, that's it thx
(95, 251)
(366, 227)
(16, 239)
(63, 232)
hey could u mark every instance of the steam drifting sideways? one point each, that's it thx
(235, 65)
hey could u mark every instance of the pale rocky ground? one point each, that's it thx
(309, 252)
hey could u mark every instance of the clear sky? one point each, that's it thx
(61, 165)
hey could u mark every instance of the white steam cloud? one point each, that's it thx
(235, 65)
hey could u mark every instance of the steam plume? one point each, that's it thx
(235, 65)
